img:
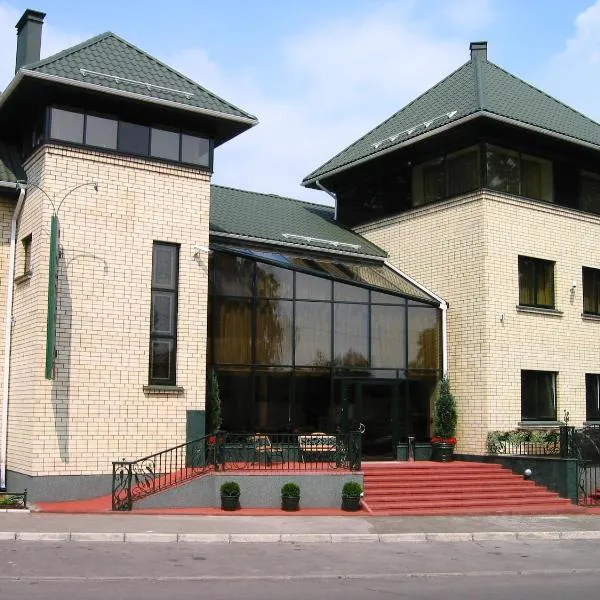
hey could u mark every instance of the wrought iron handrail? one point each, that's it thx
(134, 480)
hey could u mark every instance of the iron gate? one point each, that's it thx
(584, 445)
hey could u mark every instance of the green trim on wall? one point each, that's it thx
(52, 284)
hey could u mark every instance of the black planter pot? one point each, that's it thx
(351, 503)
(290, 503)
(230, 502)
(442, 452)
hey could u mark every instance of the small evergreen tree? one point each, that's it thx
(213, 404)
(445, 416)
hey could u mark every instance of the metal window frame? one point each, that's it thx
(153, 336)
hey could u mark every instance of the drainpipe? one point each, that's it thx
(8, 334)
(322, 187)
(443, 308)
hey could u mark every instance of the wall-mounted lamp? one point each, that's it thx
(573, 286)
(197, 250)
(502, 318)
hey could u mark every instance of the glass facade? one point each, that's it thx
(293, 348)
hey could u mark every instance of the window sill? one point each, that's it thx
(590, 317)
(540, 311)
(23, 278)
(163, 389)
(540, 424)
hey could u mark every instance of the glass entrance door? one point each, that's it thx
(378, 409)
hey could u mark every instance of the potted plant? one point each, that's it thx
(444, 430)
(290, 496)
(351, 494)
(230, 495)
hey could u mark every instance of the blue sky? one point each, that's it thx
(319, 74)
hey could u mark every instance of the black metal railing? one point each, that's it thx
(134, 480)
(289, 451)
(583, 444)
(526, 448)
(13, 500)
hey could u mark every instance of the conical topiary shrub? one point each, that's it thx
(444, 424)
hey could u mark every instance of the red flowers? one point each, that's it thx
(441, 440)
(211, 439)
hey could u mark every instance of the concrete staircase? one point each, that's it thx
(455, 488)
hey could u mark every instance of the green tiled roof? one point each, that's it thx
(478, 87)
(111, 62)
(275, 219)
(11, 169)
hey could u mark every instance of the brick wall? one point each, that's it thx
(466, 250)
(96, 410)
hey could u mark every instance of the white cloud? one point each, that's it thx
(573, 75)
(335, 82)
(468, 15)
(53, 40)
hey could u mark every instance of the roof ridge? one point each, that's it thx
(67, 51)
(109, 34)
(303, 202)
(564, 104)
(440, 82)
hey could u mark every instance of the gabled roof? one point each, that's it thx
(283, 221)
(477, 88)
(11, 169)
(110, 62)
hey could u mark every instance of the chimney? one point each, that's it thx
(478, 50)
(29, 37)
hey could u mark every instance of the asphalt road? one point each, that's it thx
(358, 571)
(452, 571)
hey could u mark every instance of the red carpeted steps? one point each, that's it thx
(428, 488)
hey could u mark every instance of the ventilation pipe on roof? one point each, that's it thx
(478, 50)
(29, 38)
(322, 187)
(8, 334)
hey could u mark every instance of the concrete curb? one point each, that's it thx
(295, 538)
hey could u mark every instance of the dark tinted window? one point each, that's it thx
(165, 144)
(134, 139)
(591, 291)
(536, 282)
(66, 126)
(538, 396)
(101, 132)
(195, 150)
(592, 397)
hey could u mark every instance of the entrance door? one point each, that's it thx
(377, 407)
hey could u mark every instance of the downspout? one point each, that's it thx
(12, 251)
(322, 187)
(443, 307)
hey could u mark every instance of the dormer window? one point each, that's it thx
(129, 138)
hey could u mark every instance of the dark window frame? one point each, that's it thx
(536, 376)
(591, 289)
(538, 263)
(27, 241)
(121, 152)
(174, 291)
(592, 397)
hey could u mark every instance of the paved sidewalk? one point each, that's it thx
(121, 527)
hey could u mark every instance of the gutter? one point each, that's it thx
(106, 90)
(8, 330)
(444, 308)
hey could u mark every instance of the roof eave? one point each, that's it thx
(313, 181)
(247, 238)
(250, 121)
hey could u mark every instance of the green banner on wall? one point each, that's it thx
(52, 284)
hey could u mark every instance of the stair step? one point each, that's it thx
(444, 485)
(507, 509)
(479, 493)
(467, 502)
